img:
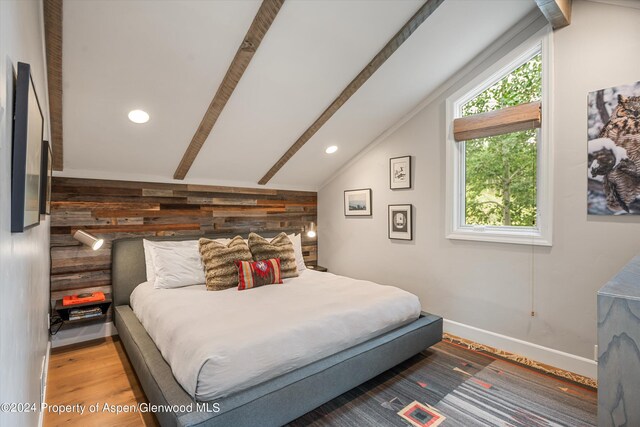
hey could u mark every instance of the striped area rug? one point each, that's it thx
(466, 388)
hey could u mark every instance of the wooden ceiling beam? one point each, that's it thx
(259, 27)
(52, 11)
(401, 36)
(557, 12)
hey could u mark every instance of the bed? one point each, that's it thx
(288, 391)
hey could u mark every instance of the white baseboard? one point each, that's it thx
(45, 375)
(548, 356)
(83, 333)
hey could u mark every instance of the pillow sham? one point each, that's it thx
(252, 274)
(279, 247)
(296, 239)
(173, 264)
(219, 262)
(148, 261)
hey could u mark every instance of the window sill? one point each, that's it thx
(513, 237)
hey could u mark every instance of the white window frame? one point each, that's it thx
(541, 234)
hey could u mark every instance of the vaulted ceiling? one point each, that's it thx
(169, 57)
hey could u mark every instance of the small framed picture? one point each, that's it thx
(357, 202)
(400, 172)
(400, 222)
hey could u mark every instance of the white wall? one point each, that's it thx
(24, 257)
(489, 285)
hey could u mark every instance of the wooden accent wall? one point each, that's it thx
(117, 209)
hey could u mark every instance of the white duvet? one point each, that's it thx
(222, 342)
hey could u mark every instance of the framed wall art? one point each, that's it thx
(400, 172)
(400, 222)
(28, 126)
(613, 187)
(357, 202)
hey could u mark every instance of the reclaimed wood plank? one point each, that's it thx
(72, 205)
(94, 191)
(232, 201)
(135, 228)
(146, 213)
(125, 221)
(74, 265)
(88, 198)
(76, 217)
(79, 258)
(150, 192)
(206, 190)
(266, 202)
(87, 182)
(80, 280)
(233, 210)
(170, 220)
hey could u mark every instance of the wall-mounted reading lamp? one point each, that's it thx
(311, 231)
(88, 239)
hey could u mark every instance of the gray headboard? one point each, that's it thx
(128, 264)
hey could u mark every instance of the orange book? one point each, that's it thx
(83, 298)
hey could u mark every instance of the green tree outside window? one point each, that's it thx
(500, 171)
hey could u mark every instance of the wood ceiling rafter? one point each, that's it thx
(258, 29)
(381, 57)
(557, 12)
(52, 11)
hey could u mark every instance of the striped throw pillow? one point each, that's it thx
(219, 262)
(279, 247)
(252, 274)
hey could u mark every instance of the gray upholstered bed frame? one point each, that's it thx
(272, 403)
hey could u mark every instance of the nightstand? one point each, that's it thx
(317, 268)
(66, 311)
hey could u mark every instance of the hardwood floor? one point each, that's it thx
(96, 372)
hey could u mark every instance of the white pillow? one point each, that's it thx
(148, 260)
(296, 239)
(173, 264)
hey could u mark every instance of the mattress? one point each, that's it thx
(219, 343)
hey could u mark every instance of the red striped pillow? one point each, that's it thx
(252, 274)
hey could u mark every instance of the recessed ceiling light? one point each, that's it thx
(332, 149)
(138, 116)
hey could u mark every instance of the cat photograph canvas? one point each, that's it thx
(613, 165)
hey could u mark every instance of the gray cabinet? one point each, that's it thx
(619, 348)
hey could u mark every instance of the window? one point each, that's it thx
(499, 156)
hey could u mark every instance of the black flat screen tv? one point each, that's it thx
(28, 126)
